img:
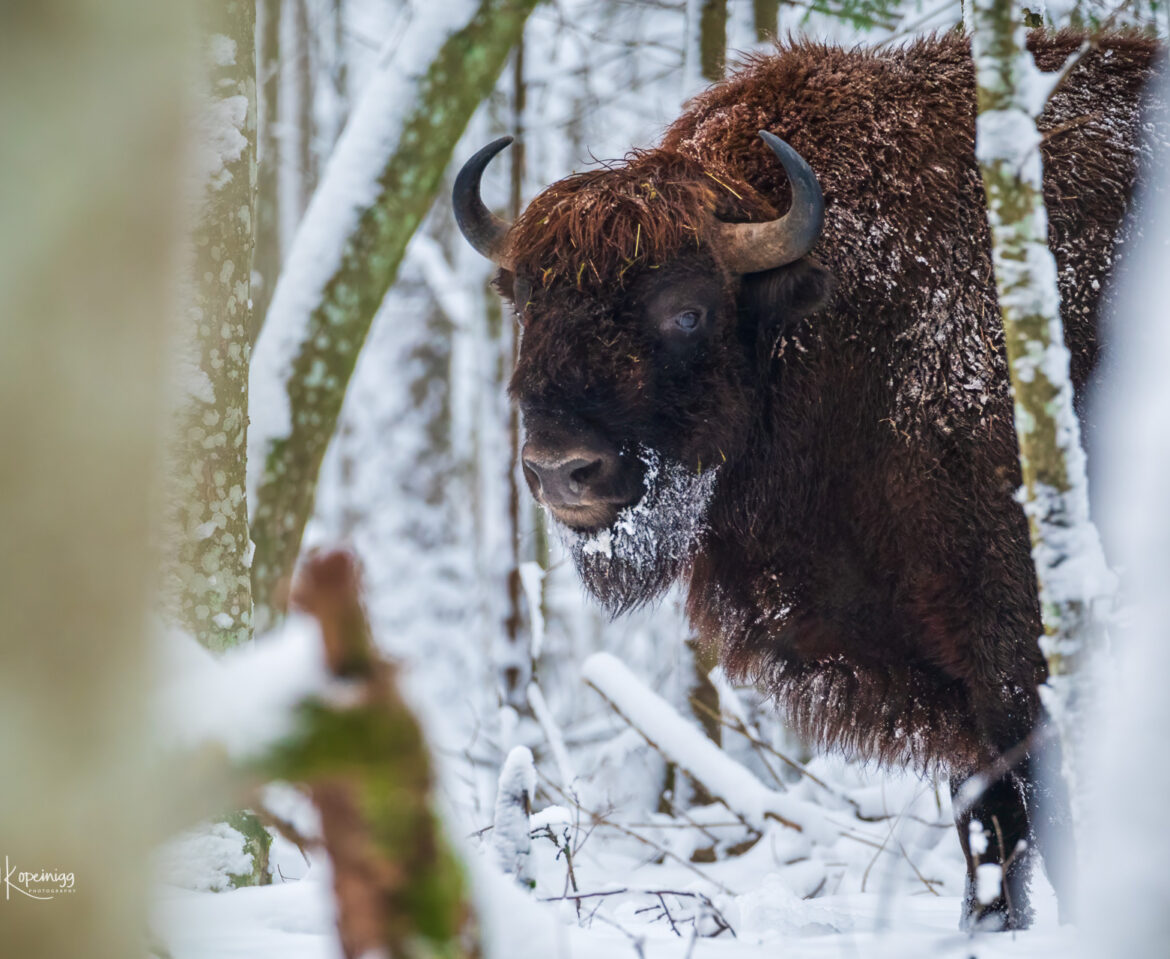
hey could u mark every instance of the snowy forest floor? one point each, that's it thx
(883, 876)
(865, 896)
(292, 920)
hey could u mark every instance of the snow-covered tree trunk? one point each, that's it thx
(1071, 573)
(209, 587)
(380, 182)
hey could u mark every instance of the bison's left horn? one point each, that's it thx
(754, 247)
(480, 227)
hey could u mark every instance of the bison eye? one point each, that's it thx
(687, 320)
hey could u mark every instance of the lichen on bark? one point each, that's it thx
(209, 581)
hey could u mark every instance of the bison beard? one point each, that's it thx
(860, 553)
(651, 543)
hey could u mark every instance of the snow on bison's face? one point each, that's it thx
(635, 393)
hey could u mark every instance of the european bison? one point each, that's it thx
(807, 417)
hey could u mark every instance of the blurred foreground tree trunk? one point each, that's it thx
(89, 173)
(1071, 572)
(399, 888)
(209, 588)
(380, 182)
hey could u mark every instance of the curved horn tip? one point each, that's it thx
(802, 180)
(755, 247)
(485, 231)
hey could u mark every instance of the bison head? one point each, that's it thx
(648, 319)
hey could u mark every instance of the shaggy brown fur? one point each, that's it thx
(863, 558)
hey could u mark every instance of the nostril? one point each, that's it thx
(575, 479)
(581, 475)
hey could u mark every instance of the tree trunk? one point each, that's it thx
(713, 39)
(1070, 568)
(766, 16)
(89, 167)
(347, 254)
(514, 660)
(209, 586)
(268, 250)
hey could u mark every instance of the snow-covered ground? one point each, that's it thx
(883, 888)
(874, 869)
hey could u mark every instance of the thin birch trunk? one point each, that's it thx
(1070, 568)
(515, 656)
(337, 274)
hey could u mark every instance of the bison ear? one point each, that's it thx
(504, 283)
(777, 298)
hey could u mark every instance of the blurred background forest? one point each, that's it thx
(378, 358)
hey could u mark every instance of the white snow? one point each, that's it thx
(510, 826)
(552, 734)
(201, 858)
(218, 139)
(988, 881)
(531, 579)
(221, 50)
(243, 700)
(682, 743)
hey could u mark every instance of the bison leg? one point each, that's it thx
(992, 820)
(1050, 813)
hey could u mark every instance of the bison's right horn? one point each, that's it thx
(754, 247)
(480, 227)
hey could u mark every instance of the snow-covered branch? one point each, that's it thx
(726, 780)
(379, 183)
